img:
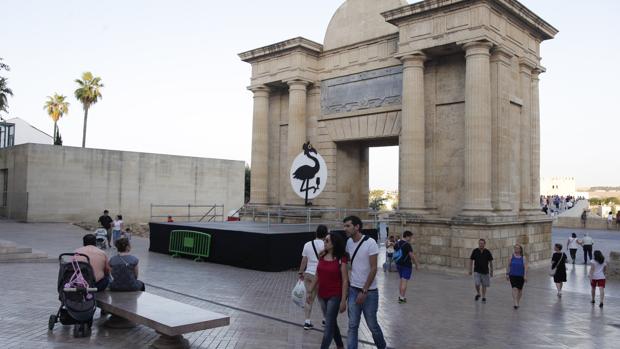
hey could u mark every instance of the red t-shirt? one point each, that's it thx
(330, 279)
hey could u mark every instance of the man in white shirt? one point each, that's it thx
(586, 243)
(363, 292)
(307, 269)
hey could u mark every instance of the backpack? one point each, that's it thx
(398, 255)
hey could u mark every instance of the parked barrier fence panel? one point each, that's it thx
(190, 243)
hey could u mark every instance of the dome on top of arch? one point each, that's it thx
(359, 20)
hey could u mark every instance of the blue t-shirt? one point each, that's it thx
(124, 273)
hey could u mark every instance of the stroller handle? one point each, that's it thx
(77, 289)
(73, 254)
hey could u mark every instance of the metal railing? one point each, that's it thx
(190, 243)
(286, 215)
(187, 213)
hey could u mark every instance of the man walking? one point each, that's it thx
(363, 292)
(586, 244)
(404, 263)
(106, 223)
(482, 261)
(307, 270)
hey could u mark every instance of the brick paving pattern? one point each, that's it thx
(440, 312)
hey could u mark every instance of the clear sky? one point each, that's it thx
(174, 83)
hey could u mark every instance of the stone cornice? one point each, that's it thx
(280, 47)
(423, 8)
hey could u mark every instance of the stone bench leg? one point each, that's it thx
(118, 322)
(170, 342)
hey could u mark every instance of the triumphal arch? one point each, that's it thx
(453, 83)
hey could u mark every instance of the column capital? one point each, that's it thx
(501, 54)
(474, 48)
(314, 89)
(415, 59)
(260, 90)
(527, 65)
(537, 71)
(298, 84)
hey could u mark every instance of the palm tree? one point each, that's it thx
(88, 94)
(56, 107)
(4, 89)
(4, 92)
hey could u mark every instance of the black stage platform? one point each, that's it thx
(246, 244)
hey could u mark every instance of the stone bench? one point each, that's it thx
(169, 318)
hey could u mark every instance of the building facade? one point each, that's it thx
(46, 183)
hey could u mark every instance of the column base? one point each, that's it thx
(170, 342)
(531, 211)
(477, 211)
(415, 211)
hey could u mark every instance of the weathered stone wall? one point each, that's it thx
(76, 184)
(15, 161)
(591, 223)
(447, 245)
(613, 266)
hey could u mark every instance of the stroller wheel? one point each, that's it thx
(51, 322)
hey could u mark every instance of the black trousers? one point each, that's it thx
(587, 253)
(573, 254)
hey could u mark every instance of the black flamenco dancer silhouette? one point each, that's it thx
(306, 173)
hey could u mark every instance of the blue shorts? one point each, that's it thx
(404, 272)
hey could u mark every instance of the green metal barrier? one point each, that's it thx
(191, 243)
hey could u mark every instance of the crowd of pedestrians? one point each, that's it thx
(354, 289)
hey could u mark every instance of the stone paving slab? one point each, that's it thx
(440, 312)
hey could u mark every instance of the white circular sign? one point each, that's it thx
(308, 173)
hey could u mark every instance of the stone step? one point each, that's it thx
(24, 255)
(17, 249)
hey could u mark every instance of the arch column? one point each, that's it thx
(477, 129)
(297, 133)
(526, 142)
(535, 115)
(260, 148)
(411, 172)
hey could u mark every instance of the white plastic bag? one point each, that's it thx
(299, 294)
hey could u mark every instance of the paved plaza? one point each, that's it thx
(440, 313)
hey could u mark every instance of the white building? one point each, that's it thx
(24, 133)
(559, 185)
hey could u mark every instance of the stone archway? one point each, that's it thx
(454, 84)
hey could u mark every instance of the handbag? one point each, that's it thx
(554, 270)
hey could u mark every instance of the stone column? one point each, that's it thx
(412, 148)
(501, 69)
(296, 128)
(525, 73)
(313, 113)
(260, 147)
(477, 129)
(535, 115)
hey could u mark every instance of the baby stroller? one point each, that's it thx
(76, 295)
(102, 238)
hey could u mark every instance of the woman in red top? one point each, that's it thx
(333, 280)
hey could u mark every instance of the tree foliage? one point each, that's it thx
(376, 199)
(5, 91)
(248, 176)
